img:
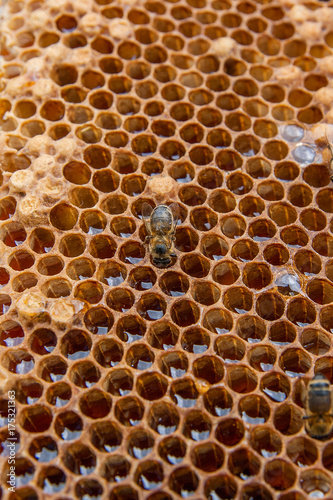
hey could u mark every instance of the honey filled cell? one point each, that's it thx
(141, 377)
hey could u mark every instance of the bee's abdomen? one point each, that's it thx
(320, 401)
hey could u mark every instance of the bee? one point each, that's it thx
(329, 138)
(318, 402)
(161, 225)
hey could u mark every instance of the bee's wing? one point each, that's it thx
(174, 207)
(146, 213)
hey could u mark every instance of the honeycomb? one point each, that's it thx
(134, 382)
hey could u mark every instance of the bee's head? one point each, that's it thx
(160, 248)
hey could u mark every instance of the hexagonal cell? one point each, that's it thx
(151, 386)
(251, 329)
(119, 382)
(203, 219)
(282, 214)
(68, 425)
(95, 404)
(28, 391)
(5, 303)
(21, 260)
(184, 393)
(276, 254)
(282, 333)
(266, 442)
(238, 299)
(11, 333)
(276, 386)
(174, 364)
(241, 379)
(18, 361)
(270, 306)
(43, 449)
(13, 234)
(92, 222)
(218, 321)
(163, 418)
(208, 368)
(302, 451)
(79, 269)
(279, 474)
(52, 368)
(205, 293)
(71, 245)
(233, 226)
(254, 409)
(315, 341)
(256, 276)
(262, 358)
(288, 419)
(140, 357)
(84, 374)
(42, 340)
(163, 335)
(243, 463)
(231, 349)
(130, 328)
(102, 247)
(59, 394)
(51, 479)
(315, 482)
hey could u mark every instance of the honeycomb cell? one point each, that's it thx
(194, 265)
(254, 409)
(130, 328)
(208, 368)
(11, 333)
(251, 329)
(7, 207)
(302, 452)
(238, 299)
(28, 391)
(219, 328)
(262, 358)
(241, 379)
(119, 382)
(205, 293)
(174, 364)
(43, 449)
(88, 487)
(315, 482)
(59, 394)
(84, 374)
(13, 234)
(195, 340)
(184, 393)
(266, 442)
(243, 464)
(230, 349)
(36, 418)
(51, 479)
(228, 161)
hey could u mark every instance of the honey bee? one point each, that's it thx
(318, 402)
(329, 138)
(161, 225)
